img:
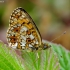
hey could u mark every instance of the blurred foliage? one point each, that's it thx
(1, 15)
(52, 17)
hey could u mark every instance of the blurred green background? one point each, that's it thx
(52, 18)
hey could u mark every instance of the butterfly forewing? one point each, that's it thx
(22, 32)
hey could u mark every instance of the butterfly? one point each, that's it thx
(23, 33)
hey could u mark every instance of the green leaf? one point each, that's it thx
(8, 59)
(63, 55)
(40, 60)
(37, 60)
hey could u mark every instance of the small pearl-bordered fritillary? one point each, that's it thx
(23, 33)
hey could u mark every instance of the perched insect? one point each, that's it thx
(23, 33)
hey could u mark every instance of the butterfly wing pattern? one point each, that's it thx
(22, 32)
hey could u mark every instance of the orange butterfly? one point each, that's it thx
(23, 33)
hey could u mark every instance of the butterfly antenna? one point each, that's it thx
(59, 36)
